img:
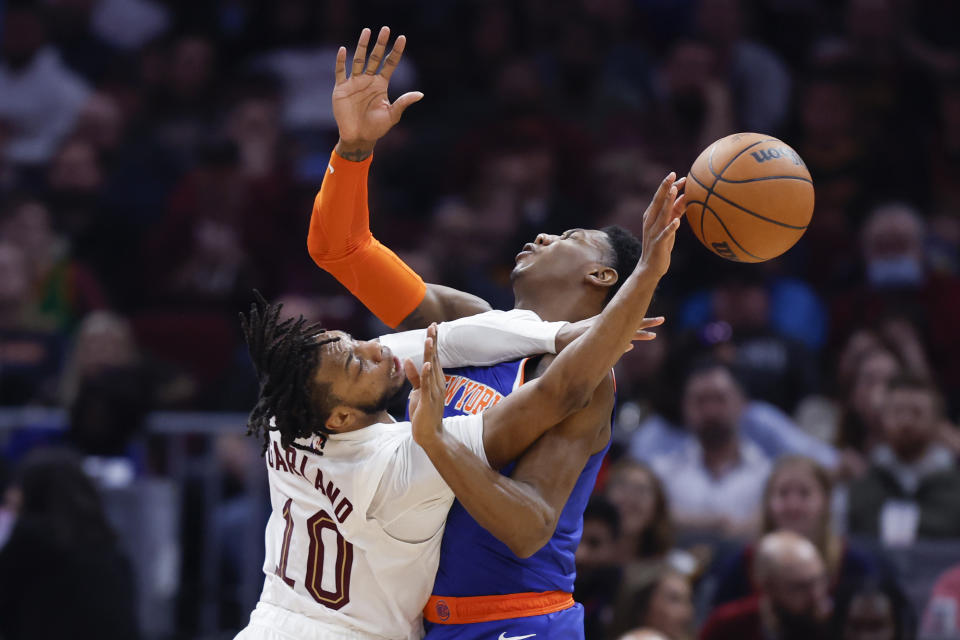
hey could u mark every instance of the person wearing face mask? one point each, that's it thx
(897, 281)
(796, 498)
(793, 601)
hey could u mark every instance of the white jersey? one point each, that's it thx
(354, 538)
(353, 541)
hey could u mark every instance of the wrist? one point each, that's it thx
(354, 150)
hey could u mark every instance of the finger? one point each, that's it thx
(652, 322)
(412, 374)
(644, 335)
(376, 55)
(394, 58)
(681, 183)
(360, 55)
(400, 104)
(656, 205)
(679, 207)
(340, 69)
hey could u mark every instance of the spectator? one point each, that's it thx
(658, 599)
(796, 498)
(899, 283)
(793, 601)
(861, 429)
(30, 353)
(62, 534)
(598, 565)
(911, 487)
(941, 617)
(872, 611)
(714, 482)
(646, 526)
(61, 289)
(40, 97)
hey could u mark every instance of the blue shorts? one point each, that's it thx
(560, 625)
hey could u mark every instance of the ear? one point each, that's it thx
(600, 275)
(343, 418)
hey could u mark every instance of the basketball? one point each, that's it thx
(749, 197)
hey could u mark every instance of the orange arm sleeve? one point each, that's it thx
(340, 242)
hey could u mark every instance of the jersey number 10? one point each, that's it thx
(340, 553)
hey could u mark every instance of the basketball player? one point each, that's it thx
(358, 509)
(507, 560)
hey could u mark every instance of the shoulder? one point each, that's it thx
(733, 619)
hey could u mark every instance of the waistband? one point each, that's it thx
(474, 609)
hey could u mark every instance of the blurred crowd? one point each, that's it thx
(158, 161)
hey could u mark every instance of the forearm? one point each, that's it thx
(513, 512)
(340, 242)
(480, 340)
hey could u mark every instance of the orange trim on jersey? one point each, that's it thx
(471, 610)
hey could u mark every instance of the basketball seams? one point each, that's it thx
(729, 181)
(727, 231)
(711, 192)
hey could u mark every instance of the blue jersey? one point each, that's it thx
(472, 561)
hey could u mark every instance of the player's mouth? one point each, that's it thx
(526, 251)
(396, 366)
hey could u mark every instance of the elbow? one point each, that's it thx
(533, 537)
(567, 398)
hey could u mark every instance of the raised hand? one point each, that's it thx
(573, 330)
(426, 399)
(361, 106)
(660, 223)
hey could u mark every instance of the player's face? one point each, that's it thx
(362, 374)
(562, 260)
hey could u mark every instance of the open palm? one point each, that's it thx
(360, 103)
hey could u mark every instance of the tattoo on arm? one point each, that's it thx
(355, 156)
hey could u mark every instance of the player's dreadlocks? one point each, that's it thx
(285, 356)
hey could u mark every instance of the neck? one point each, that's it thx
(370, 419)
(568, 306)
(718, 456)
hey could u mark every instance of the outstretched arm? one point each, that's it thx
(568, 384)
(339, 240)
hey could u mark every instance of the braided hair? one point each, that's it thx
(285, 356)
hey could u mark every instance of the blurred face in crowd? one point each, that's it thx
(598, 546)
(671, 607)
(191, 66)
(14, 281)
(874, 373)
(712, 404)
(76, 168)
(104, 341)
(29, 228)
(893, 252)
(796, 500)
(794, 581)
(870, 618)
(633, 491)
(742, 306)
(910, 422)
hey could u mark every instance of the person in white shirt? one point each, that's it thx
(359, 500)
(714, 481)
